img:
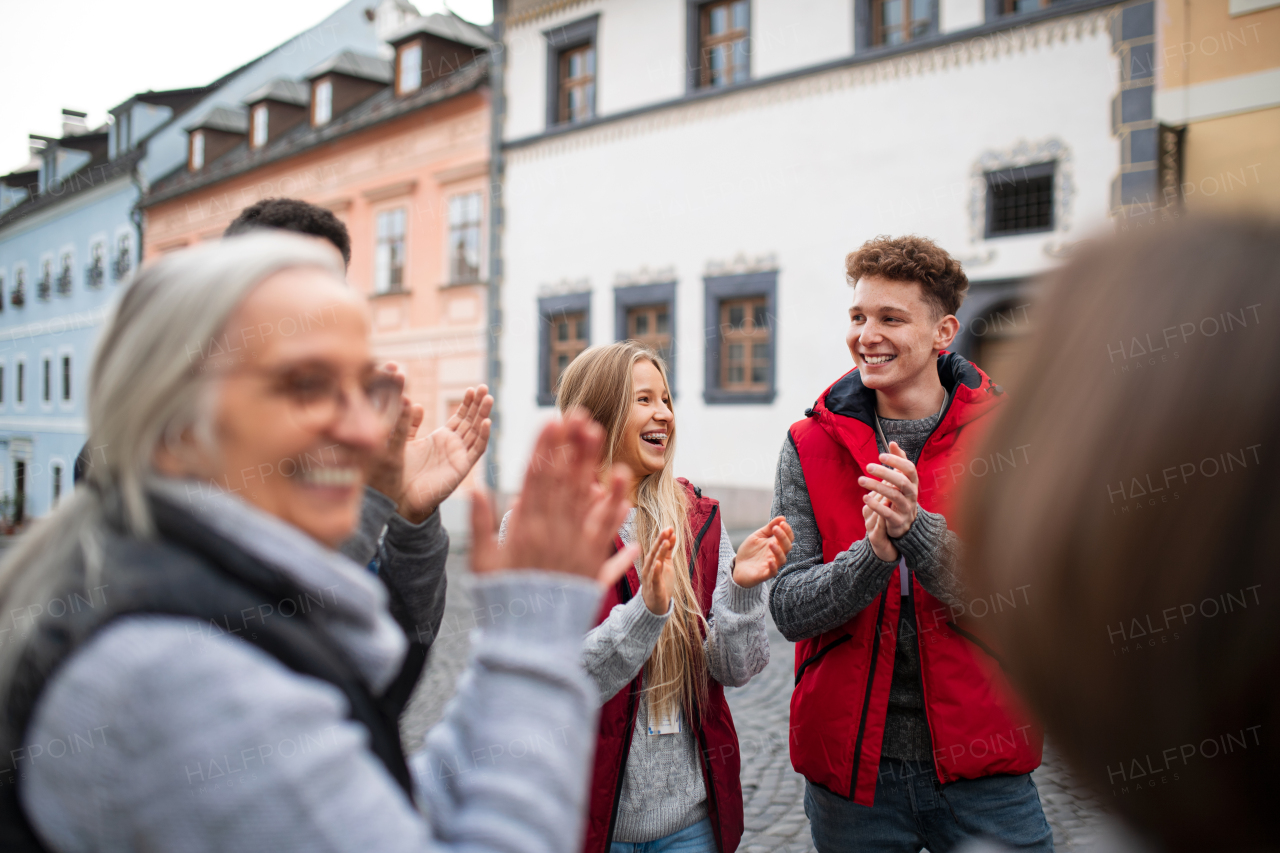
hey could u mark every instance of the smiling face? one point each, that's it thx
(894, 334)
(293, 423)
(642, 446)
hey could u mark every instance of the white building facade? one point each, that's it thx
(694, 174)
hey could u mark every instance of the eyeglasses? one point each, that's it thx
(317, 397)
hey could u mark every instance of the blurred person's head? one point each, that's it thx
(291, 214)
(906, 292)
(1142, 528)
(624, 387)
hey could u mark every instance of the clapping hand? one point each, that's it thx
(893, 497)
(565, 521)
(659, 574)
(436, 463)
(763, 553)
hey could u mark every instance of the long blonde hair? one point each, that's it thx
(600, 381)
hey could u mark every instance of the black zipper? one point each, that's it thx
(697, 542)
(815, 657)
(977, 642)
(866, 699)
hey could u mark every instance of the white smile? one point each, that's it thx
(658, 439)
(331, 477)
(878, 359)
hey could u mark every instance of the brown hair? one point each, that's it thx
(600, 381)
(912, 258)
(1142, 528)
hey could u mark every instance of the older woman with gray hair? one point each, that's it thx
(192, 665)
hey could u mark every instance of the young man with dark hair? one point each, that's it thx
(904, 728)
(291, 214)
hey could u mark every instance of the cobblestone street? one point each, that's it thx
(773, 793)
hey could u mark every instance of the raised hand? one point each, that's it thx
(386, 471)
(658, 576)
(893, 497)
(436, 463)
(565, 521)
(881, 545)
(763, 553)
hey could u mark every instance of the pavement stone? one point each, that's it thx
(773, 793)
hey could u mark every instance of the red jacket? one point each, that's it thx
(717, 738)
(979, 728)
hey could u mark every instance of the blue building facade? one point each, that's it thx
(71, 238)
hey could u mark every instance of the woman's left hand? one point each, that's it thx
(763, 553)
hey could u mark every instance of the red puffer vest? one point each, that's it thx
(717, 738)
(979, 727)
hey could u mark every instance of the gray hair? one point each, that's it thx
(145, 388)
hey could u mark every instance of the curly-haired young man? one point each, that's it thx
(904, 728)
(291, 214)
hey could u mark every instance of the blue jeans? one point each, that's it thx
(913, 810)
(699, 838)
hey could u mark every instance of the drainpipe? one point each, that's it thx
(498, 108)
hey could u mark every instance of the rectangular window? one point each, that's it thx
(568, 338)
(197, 150)
(1, 292)
(1, 383)
(44, 287)
(1017, 7)
(21, 392)
(96, 270)
(46, 390)
(741, 338)
(66, 378)
(722, 42)
(564, 330)
(323, 100)
(124, 257)
(57, 483)
(464, 238)
(64, 275)
(571, 71)
(578, 84)
(651, 325)
(900, 21)
(1020, 200)
(389, 254)
(259, 125)
(409, 68)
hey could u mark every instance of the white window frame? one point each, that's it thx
(261, 126)
(47, 357)
(58, 462)
(448, 237)
(35, 285)
(404, 87)
(196, 153)
(20, 382)
(20, 266)
(5, 394)
(127, 233)
(322, 117)
(99, 239)
(68, 249)
(381, 287)
(69, 403)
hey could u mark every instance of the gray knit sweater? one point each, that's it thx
(662, 789)
(206, 743)
(810, 597)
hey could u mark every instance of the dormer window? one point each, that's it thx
(259, 120)
(322, 97)
(409, 68)
(197, 150)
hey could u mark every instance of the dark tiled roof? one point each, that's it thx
(382, 107)
(283, 90)
(354, 65)
(93, 174)
(448, 27)
(229, 119)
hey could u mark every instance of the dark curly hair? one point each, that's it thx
(912, 258)
(291, 214)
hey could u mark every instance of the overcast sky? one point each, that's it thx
(90, 55)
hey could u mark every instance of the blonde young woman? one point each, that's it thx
(685, 622)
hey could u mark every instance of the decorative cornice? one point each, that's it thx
(565, 286)
(644, 275)
(541, 10)
(740, 264)
(953, 51)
